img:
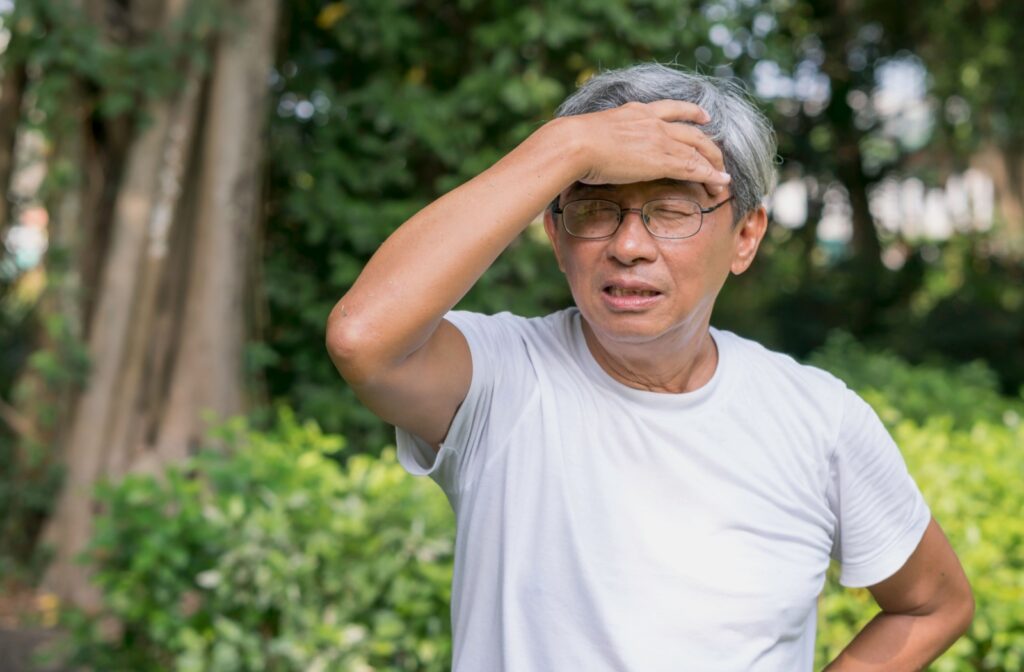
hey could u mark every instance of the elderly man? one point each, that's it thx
(634, 489)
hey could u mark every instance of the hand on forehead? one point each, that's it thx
(663, 188)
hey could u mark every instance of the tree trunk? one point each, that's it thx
(849, 163)
(167, 336)
(227, 211)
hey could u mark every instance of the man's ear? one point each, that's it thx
(551, 228)
(747, 238)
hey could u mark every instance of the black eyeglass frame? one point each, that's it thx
(643, 217)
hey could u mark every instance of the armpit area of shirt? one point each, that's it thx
(417, 456)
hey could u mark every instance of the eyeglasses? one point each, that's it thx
(672, 218)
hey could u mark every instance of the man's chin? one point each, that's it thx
(626, 327)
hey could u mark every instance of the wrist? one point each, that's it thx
(564, 134)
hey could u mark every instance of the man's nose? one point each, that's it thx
(632, 241)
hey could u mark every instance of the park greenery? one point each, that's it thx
(272, 558)
(282, 545)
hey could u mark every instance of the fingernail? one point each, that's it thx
(707, 117)
(725, 176)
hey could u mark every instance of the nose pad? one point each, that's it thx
(623, 223)
(632, 241)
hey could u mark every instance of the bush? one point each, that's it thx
(266, 556)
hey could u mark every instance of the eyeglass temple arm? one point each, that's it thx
(716, 206)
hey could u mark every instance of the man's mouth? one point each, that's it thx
(621, 291)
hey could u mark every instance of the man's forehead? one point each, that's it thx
(681, 185)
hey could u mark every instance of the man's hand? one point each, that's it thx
(640, 142)
(926, 606)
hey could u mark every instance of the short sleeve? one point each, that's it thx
(880, 512)
(492, 341)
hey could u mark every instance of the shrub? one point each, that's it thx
(266, 555)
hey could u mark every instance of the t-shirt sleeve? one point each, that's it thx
(493, 345)
(880, 512)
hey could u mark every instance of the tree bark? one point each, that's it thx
(185, 214)
(228, 208)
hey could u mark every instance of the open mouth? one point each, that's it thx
(620, 291)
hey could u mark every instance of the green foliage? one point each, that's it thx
(31, 475)
(264, 555)
(971, 50)
(65, 48)
(29, 484)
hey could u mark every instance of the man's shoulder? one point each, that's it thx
(558, 320)
(777, 368)
(796, 393)
(553, 327)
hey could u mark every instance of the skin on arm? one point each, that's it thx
(386, 335)
(926, 606)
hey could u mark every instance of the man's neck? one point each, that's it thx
(682, 361)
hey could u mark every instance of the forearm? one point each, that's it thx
(900, 642)
(429, 263)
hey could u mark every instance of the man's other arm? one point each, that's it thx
(926, 606)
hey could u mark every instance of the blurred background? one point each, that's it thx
(185, 481)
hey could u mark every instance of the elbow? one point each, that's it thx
(968, 610)
(958, 612)
(350, 347)
(340, 340)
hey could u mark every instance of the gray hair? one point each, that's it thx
(740, 130)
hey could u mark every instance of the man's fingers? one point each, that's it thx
(714, 189)
(691, 135)
(697, 167)
(660, 139)
(691, 166)
(678, 110)
(702, 159)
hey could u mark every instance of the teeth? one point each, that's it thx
(619, 291)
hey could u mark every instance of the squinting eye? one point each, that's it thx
(669, 213)
(593, 211)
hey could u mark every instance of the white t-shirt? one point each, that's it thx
(604, 528)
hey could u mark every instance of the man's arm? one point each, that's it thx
(926, 606)
(386, 335)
